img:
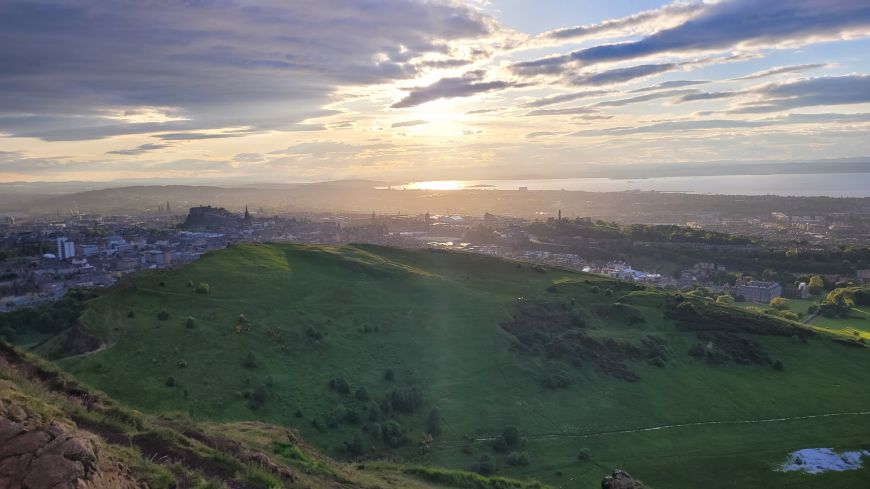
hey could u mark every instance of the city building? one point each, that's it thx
(66, 249)
(758, 291)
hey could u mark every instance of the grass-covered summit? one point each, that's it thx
(478, 363)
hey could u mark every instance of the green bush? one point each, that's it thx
(250, 360)
(389, 375)
(340, 385)
(190, 322)
(584, 454)
(203, 288)
(518, 459)
(433, 422)
(171, 382)
(361, 394)
(163, 315)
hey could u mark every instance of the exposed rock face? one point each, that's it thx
(621, 480)
(37, 452)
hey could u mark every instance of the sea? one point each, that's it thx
(817, 184)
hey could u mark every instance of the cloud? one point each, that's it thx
(249, 158)
(670, 84)
(692, 97)
(142, 148)
(622, 75)
(470, 83)
(416, 122)
(640, 23)
(566, 97)
(810, 92)
(781, 70)
(538, 134)
(643, 98)
(696, 125)
(265, 65)
(725, 25)
(192, 136)
(565, 111)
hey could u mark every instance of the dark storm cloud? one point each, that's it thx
(725, 25)
(221, 63)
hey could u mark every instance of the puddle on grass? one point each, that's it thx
(819, 460)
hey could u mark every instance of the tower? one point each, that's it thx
(247, 214)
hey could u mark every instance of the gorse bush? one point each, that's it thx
(203, 288)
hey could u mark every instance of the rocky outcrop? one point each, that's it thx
(41, 451)
(621, 480)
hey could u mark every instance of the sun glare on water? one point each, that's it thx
(436, 185)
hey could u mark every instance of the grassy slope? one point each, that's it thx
(200, 455)
(437, 318)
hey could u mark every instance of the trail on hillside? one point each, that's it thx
(543, 436)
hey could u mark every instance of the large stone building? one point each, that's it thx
(757, 291)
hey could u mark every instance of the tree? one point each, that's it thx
(511, 435)
(725, 299)
(779, 303)
(190, 322)
(163, 315)
(203, 288)
(250, 360)
(816, 284)
(362, 394)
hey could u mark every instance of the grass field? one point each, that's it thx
(311, 314)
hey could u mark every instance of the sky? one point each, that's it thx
(402, 90)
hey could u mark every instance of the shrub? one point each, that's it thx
(340, 385)
(725, 299)
(404, 399)
(511, 435)
(518, 459)
(314, 333)
(557, 379)
(171, 382)
(584, 454)
(392, 433)
(595, 289)
(552, 289)
(203, 288)
(250, 360)
(190, 322)
(181, 364)
(355, 446)
(777, 365)
(361, 394)
(484, 466)
(190, 283)
(433, 422)
(608, 292)
(779, 303)
(163, 315)
(389, 375)
(131, 314)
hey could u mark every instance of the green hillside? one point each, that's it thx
(366, 349)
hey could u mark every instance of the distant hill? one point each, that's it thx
(478, 363)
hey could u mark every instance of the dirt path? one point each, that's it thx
(544, 436)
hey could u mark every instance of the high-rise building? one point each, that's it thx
(66, 249)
